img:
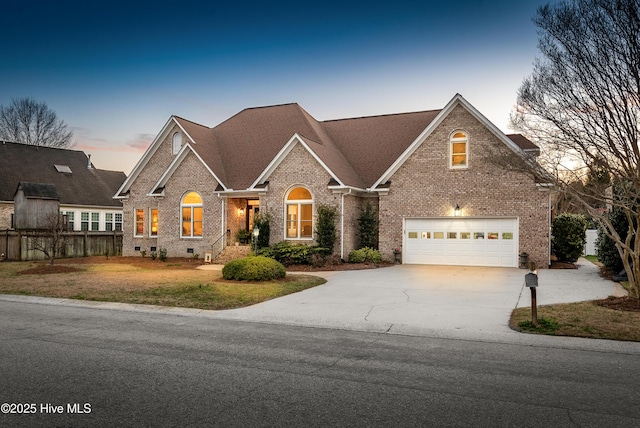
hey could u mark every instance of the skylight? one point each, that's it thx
(63, 168)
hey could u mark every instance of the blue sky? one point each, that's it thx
(116, 71)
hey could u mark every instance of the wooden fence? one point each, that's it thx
(20, 245)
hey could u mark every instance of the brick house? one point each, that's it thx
(428, 174)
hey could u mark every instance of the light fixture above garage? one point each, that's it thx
(457, 210)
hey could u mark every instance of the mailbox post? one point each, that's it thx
(531, 281)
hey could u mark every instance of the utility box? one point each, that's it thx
(531, 279)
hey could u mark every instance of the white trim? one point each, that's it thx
(455, 101)
(173, 143)
(151, 222)
(135, 222)
(173, 166)
(453, 140)
(282, 154)
(192, 206)
(298, 203)
(148, 154)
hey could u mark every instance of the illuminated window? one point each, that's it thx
(191, 208)
(299, 214)
(139, 222)
(459, 148)
(153, 218)
(176, 143)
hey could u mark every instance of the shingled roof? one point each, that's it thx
(38, 190)
(356, 151)
(66, 169)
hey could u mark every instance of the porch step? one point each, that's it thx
(232, 252)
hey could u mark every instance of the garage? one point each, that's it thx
(461, 241)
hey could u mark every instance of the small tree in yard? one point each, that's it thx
(326, 228)
(368, 227)
(606, 248)
(262, 222)
(569, 236)
(581, 105)
(52, 242)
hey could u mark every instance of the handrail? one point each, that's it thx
(215, 254)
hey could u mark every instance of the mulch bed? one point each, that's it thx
(337, 267)
(562, 265)
(626, 303)
(60, 265)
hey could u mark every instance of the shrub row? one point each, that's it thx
(365, 255)
(292, 254)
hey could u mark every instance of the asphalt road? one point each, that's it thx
(121, 368)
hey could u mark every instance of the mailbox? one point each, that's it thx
(531, 279)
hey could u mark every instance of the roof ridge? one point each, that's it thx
(272, 105)
(382, 115)
(37, 147)
(190, 121)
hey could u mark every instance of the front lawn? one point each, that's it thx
(143, 281)
(583, 319)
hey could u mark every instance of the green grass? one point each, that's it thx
(220, 295)
(582, 319)
(592, 259)
(178, 285)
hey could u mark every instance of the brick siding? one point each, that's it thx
(190, 176)
(5, 215)
(425, 186)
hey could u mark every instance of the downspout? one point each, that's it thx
(342, 227)
(224, 222)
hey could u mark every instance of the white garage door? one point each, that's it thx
(461, 241)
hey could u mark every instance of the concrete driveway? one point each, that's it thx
(434, 300)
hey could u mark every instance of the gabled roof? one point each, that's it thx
(81, 186)
(457, 100)
(359, 153)
(38, 190)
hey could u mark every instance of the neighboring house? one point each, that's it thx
(195, 183)
(85, 193)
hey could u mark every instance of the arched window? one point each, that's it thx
(177, 142)
(459, 148)
(299, 214)
(191, 208)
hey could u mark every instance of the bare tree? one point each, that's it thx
(27, 121)
(52, 240)
(581, 105)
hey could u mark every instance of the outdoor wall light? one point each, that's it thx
(457, 210)
(240, 211)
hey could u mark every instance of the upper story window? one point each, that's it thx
(459, 149)
(177, 143)
(299, 214)
(191, 209)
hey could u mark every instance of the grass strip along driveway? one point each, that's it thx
(583, 319)
(143, 281)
